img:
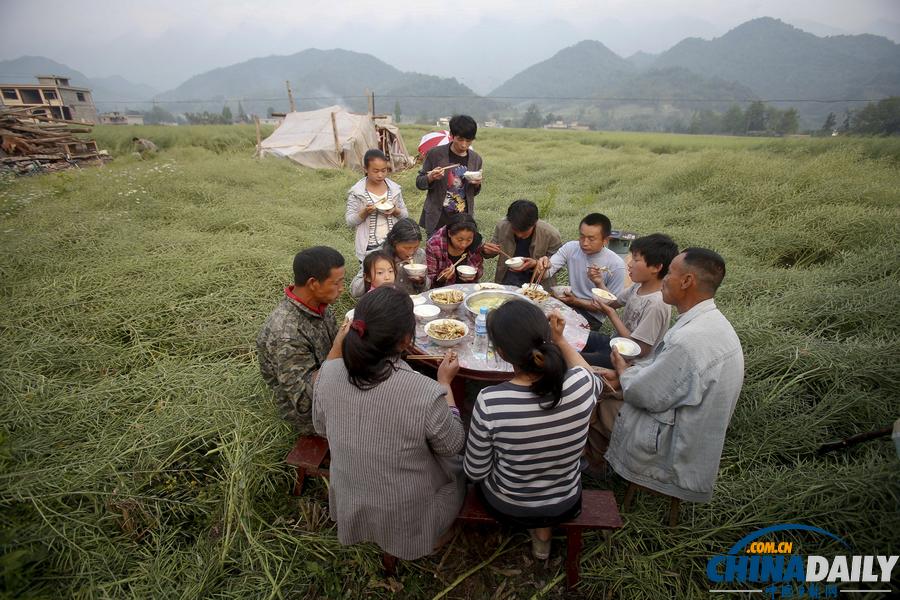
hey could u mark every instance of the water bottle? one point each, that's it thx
(480, 346)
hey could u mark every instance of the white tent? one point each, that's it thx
(332, 137)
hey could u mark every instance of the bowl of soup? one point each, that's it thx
(489, 299)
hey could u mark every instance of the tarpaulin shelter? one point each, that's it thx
(332, 137)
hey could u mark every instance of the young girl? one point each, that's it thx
(403, 246)
(447, 246)
(378, 269)
(527, 435)
(373, 224)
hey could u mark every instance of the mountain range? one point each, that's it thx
(761, 59)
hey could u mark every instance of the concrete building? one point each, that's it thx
(117, 118)
(53, 96)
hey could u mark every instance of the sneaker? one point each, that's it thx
(539, 549)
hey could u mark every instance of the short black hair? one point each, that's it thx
(522, 214)
(708, 265)
(595, 219)
(463, 126)
(316, 262)
(657, 249)
(373, 154)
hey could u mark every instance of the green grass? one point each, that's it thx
(141, 454)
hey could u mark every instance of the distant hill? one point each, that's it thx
(582, 70)
(324, 77)
(109, 92)
(760, 59)
(778, 61)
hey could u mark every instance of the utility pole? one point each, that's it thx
(291, 96)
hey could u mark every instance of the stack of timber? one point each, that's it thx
(35, 143)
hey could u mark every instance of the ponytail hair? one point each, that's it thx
(521, 332)
(382, 321)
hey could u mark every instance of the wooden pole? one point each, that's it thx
(291, 96)
(337, 142)
(258, 136)
(371, 96)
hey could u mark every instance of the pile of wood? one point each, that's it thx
(35, 143)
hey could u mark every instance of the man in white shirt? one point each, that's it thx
(589, 255)
(669, 432)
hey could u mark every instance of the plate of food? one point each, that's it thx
(446, 332)
(603, 295)
(488, 285)
(627, 347)
(447, 300)
(385, 206)
(535, 292)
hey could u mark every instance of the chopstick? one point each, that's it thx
(536, 275)
(464, 254)
(502, 253)
(425, 357)
(461, 258)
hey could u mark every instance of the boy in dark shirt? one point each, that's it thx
(444, 176)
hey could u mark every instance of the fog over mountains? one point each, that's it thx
(763, 58)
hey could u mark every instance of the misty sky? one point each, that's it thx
(480, 42)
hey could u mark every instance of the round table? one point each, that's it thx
(494, 368)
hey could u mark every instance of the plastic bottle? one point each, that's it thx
(480, 346)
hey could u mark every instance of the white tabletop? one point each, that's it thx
(576, 333)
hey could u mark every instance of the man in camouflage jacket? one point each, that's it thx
(297, 337)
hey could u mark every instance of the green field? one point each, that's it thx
(141, 452)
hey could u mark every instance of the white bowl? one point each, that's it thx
(349, 315)
(445, 306)
(472, 175)
(418, 299)
(426, 312)
(603, 296)
(385, 206)
(446, 343)
(515, 262)
(466, 273)
(415, 270)
(536, 292)
(628, 348)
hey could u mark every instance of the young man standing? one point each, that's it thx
(443, 176)
(588, 257)
(524, 235)
(297, 337)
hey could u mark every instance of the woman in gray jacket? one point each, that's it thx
(395, 435)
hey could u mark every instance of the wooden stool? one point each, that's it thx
(307, 455)
(674, 503)
(598, 511)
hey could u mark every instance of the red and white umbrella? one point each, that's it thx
(433, 139)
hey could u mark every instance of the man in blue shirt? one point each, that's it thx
(589, 255)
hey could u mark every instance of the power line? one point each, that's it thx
(460, 97)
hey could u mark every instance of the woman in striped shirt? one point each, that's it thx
(527, 435)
